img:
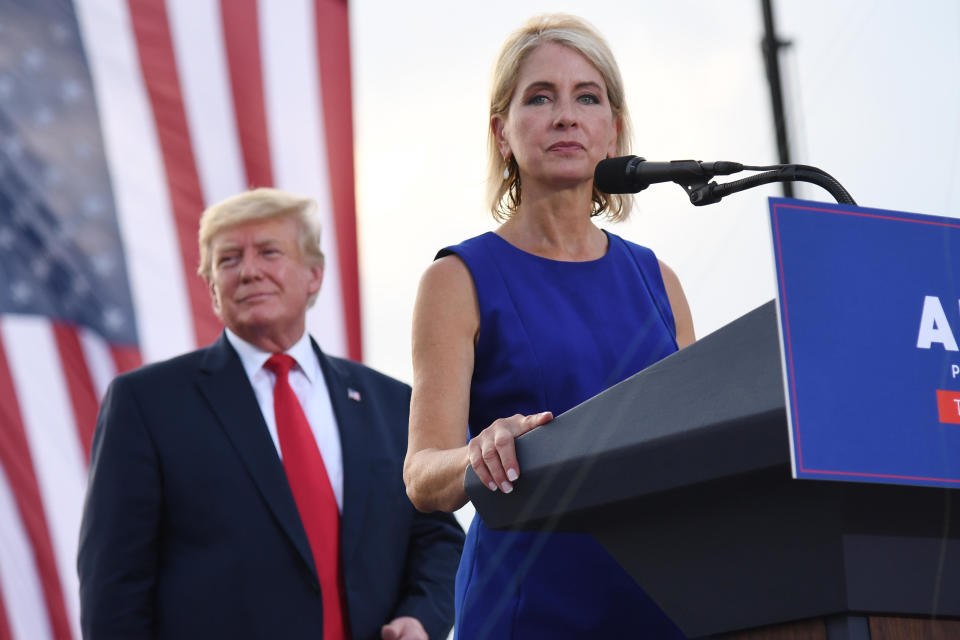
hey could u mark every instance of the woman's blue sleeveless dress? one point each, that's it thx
(553, 334)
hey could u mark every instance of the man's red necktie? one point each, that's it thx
(312, 492)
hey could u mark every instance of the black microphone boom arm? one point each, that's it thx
(631, 174)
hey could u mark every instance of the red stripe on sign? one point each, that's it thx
(333, 51)
(242, 40)
(125, 358)
(155, 48)
(5, 633)
(83, 397)
(18, 464)
(948, 406)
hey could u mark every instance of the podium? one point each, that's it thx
(682, 472)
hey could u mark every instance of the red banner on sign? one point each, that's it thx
(948, 404)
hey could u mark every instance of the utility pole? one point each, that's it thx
(770, 46)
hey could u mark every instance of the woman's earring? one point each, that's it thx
(506, 172)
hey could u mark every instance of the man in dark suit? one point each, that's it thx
(217, 477)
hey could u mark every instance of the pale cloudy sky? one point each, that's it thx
(874, 100)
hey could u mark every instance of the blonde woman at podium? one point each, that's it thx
(515, 326)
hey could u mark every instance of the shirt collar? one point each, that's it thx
(253, 358)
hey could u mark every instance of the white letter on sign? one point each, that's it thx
(934, 326)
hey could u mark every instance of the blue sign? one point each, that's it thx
(869, 309)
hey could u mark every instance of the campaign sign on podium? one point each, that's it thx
(869, 312)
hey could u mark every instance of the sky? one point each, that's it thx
(872, 94)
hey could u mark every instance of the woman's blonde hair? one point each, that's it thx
(570, 31)
(261, 204)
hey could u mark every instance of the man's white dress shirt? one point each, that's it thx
(308, 383)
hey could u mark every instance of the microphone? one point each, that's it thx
(632, 174)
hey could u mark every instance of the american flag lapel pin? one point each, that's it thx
(353, 394)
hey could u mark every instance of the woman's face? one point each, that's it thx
(559, 124)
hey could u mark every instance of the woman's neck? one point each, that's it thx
(556, 225)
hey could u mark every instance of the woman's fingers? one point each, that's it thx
(484, 452)
(497, 452)
(535, 420)
(493, 454)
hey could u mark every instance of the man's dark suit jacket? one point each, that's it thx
(190, 529)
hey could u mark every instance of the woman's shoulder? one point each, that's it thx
(468, 247)
(640, 252)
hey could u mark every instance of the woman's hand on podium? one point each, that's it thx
(493, 454)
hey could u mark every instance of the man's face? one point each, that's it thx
(260, 284)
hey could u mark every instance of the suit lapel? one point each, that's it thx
(226, 387)
(352, 413)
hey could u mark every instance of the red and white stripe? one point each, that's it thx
(198, 100)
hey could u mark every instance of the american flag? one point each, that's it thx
(120, 120)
